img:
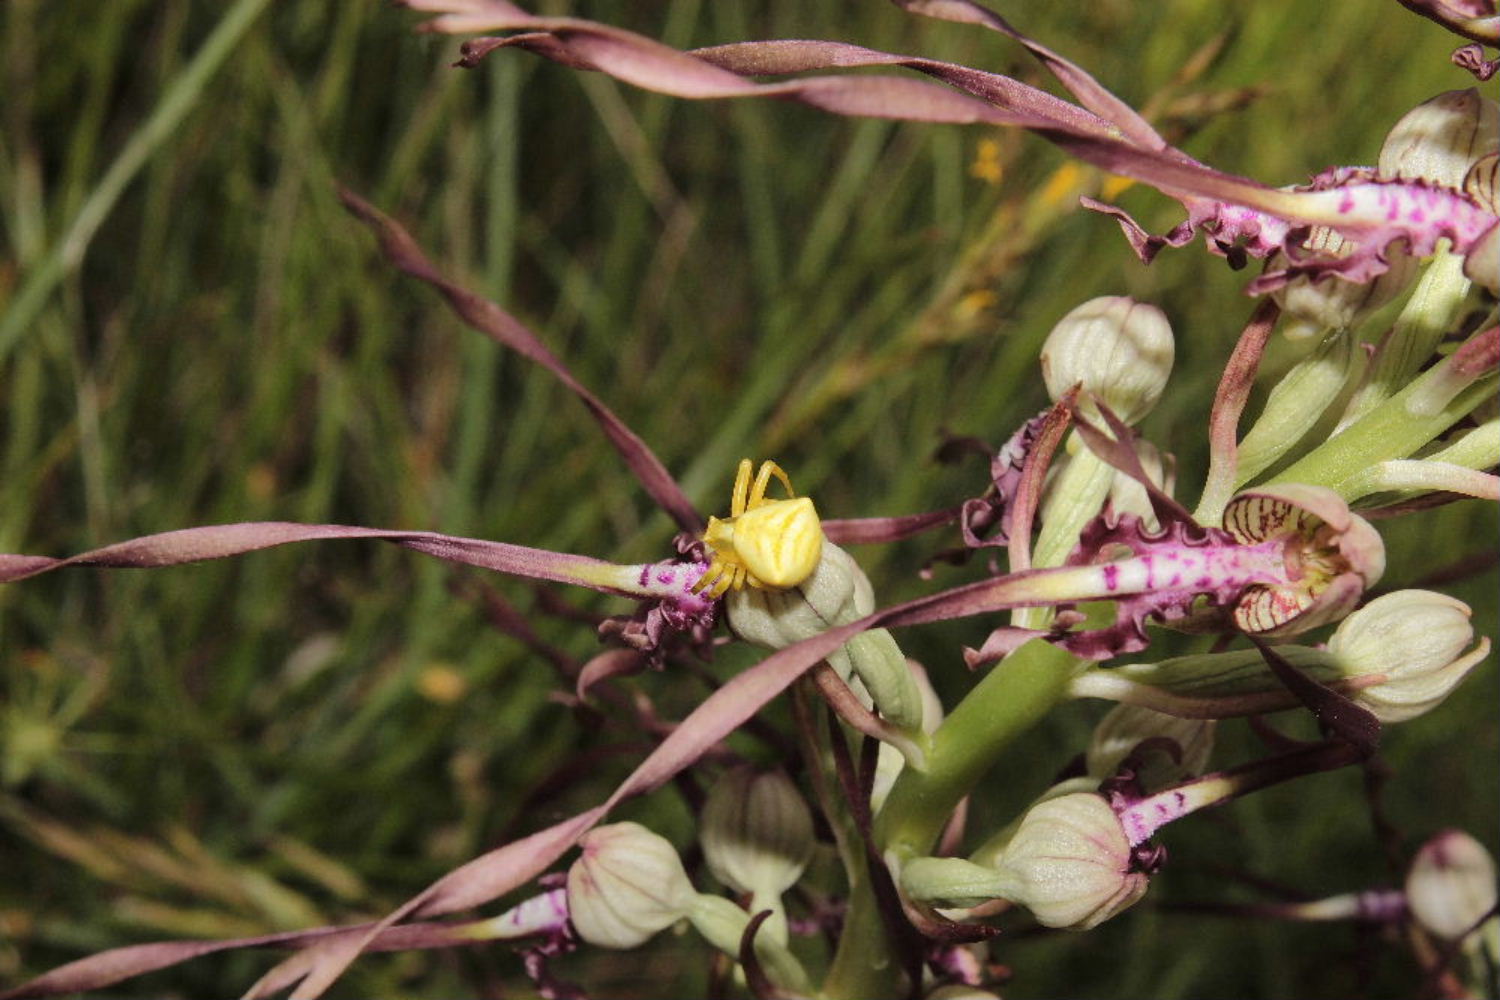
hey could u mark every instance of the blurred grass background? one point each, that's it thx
(310, 735)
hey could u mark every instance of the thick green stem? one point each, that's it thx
(862, 968)
(1014, 696)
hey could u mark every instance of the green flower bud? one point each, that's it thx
(626, 885)
(757, 837)
(1068, 862)
(1073, 862)
(1415, 639)
(1439, 140)
(1451, 884)
(989, 852)
(1119, 349)
(837, 593)
(889, 762)
(757, 832)
(1127, 726)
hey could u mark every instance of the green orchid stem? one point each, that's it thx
(1010, 699)
(1405, 422)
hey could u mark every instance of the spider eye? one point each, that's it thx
(781, 542)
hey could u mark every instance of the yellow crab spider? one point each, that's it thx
(769, 544)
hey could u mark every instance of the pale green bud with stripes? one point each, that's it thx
(1069, 863)
(1451, 884)
(837, 593)
(757, 837)
(1118, 349)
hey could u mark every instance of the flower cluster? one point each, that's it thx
(1379, 281)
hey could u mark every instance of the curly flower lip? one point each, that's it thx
(1288, 558)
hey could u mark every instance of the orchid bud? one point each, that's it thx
(757, 837)
(1074, 862)
(1328, 302)
(1069, 862)
(889, 762)
(1415, 639)
(837, 593)
(627, 885)
(1439, 139)
(1450, 886)
(1119, 349)
(1126, 727)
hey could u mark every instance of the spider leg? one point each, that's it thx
(768, 469)
(710, 577)
(725, 582)
(737, 504)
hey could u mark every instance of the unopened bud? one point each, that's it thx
(1439, 139)
(1069, 862)
(1451, 884)
(837, 593)
(1119, 349)
(889, 762)
(1073, 862)
(757, 837)
(1126, 727)
(627, 885)
(756, 831)
(1415, 640)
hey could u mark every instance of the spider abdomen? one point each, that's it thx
(780, 542)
